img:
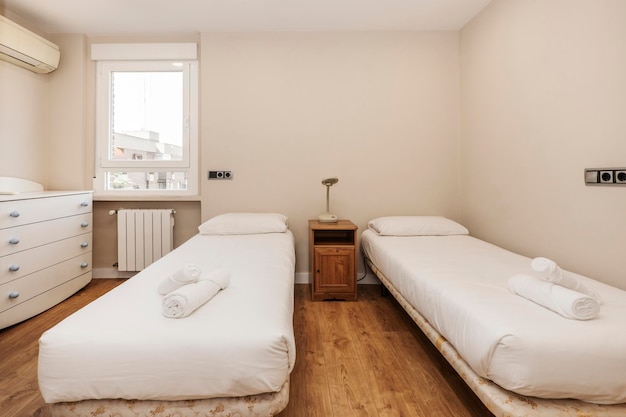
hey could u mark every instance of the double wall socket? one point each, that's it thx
(220, 175)
(605, 176)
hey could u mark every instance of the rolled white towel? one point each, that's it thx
(183, 276)
(566, 302)
(186, 299)
(221, 277)
(550, 271)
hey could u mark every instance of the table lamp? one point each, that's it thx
(327, 217)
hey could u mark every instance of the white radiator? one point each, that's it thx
(143, 236)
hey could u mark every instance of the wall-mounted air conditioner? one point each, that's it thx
(22, 47)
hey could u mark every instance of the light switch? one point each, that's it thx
(591, 177)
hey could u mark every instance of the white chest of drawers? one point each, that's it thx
(45, 251)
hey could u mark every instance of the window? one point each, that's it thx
(146, 128)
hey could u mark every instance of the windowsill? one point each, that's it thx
(135, 197)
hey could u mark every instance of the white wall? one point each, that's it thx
(69, 136)
(23, 123)
(43, 135)
(283, 111)
(543, 97)
(24, 117)
(535, 89)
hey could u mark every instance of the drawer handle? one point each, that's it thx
(14, 240)
(14, 214)
(84, 204)
(84, 224)
(14, 268)
(14, 294)
(84, 245)
(84, 265)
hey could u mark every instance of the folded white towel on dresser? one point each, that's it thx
(186, 299)
(183, 276)
(550, 271)
(566, 302)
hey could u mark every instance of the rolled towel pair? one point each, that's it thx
(568, 303)
(187, 298)
(550, 271)
(186, 275)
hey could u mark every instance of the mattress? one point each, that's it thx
(239, 343)
(459, 284)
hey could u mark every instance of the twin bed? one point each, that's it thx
(521, 359)
(121, 356)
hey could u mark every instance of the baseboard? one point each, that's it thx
(369, 279)
(305, 278)
(300, 277)
(110, 273)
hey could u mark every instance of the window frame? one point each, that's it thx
(188, 164)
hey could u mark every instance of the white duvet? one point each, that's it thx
(239, 343)
(459, 284)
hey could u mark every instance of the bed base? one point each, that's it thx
(501, 402)
(262, 405)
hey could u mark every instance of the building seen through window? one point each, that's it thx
(145, 146)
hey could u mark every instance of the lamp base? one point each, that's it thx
(327, 218)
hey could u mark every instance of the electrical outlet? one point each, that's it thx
(220, 175)
(606, 177)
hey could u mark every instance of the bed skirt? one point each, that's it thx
(501, 402)
(262, 405)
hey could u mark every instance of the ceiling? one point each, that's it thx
(185, 16)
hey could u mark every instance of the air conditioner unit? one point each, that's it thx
(22, 47)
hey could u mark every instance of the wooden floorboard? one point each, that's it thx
(363, 358)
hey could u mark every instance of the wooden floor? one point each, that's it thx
(364, 358)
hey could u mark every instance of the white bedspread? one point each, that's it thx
(459, 284)
(239, 343)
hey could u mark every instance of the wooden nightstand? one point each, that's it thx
(332, 257)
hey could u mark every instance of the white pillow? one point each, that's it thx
(416, 226)
(244, 224)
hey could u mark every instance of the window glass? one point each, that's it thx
(146, 124)
(147, 116)
(146, 180)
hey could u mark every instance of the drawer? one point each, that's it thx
(29, 286)
(32, 260)
(43, 301)
(19, 238)
(18, 212)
